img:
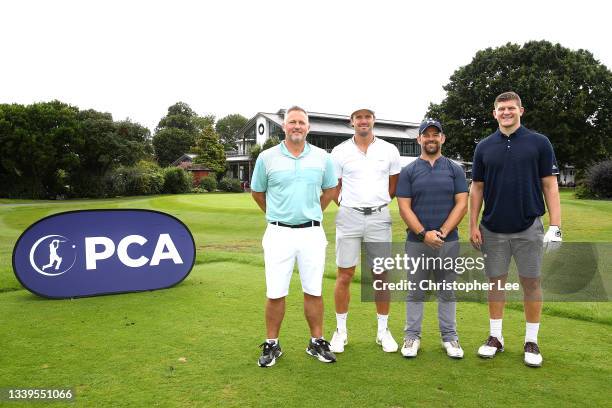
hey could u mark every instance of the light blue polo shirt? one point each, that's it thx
(293, 184)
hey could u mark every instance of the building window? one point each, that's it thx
(249, 134)
(325, 142)
(406, 147)
(276, 130)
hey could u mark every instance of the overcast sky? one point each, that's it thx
(136, 58)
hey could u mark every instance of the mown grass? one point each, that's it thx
(196, 344)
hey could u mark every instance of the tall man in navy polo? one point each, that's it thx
(513, 168)
(432, 198)
(293, 182)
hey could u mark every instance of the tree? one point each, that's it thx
(36, 148)
(177, 131)
(51, 148)
(136, 142)
(227, 128)
(257, 149)
(170, 144)
(179, 116)
(567, 96)
(209, 150)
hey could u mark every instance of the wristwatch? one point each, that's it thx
(421, 235)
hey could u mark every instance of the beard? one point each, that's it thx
(363, 132)
(432, 148)
(297, 138)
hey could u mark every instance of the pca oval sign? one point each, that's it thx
(101, 252)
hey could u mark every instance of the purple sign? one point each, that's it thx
(101, 252)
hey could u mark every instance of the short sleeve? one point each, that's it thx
(477, 164)
(460, 180)
(547, 165)
(329, 176)
(259, 181)
(404, 188)
(395, 166)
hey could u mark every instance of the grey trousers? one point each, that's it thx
(446, 298)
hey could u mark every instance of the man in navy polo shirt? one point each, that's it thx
(513, 168)
(432, 198)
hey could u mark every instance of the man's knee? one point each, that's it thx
(345, 275)
(530, 284)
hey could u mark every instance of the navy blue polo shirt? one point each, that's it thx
(432, 190)
(512, 168)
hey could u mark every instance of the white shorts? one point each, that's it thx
(354, 227)
(282, 246)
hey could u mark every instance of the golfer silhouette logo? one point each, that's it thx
(52, 250)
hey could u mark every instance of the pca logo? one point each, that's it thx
(101, 252)
(53, 255)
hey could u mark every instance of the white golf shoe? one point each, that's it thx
(533, 358)
(453, 349)
(386, 340)
(410, 348)
(492, 346)
(338, 341)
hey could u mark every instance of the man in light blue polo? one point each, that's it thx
(293, 182)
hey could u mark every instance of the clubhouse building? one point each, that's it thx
(326, 131)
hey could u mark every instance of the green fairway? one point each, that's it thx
(196, 344)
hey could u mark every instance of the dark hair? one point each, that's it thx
(507, 96)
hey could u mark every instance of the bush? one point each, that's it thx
(142, 179)
(208, 183)
(176, 181)
(597, 182)
(197, 190)
(230, 184)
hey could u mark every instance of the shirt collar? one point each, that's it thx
(287, 153)
(371, 143)
(522, 130)
(437, 161)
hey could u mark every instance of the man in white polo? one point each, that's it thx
(368, 169)
(293, 182)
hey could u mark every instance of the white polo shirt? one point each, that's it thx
(365, 176)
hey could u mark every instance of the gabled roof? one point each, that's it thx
(185, 157)
(188, 157)
(329, 123)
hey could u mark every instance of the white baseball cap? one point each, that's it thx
(360, 109)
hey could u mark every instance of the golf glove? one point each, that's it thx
(552, 238)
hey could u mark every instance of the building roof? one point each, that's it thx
(186, 157)
(329, 123)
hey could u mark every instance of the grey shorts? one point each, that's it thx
(354, 227)
(526, 247)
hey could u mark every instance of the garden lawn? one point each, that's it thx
(196, 344)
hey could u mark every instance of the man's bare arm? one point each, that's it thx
(409, 217)
(260, 199)
(476, 196)
(393, 185)
(550, 188)
(456, 214)
(327, 196)
(337, 192)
